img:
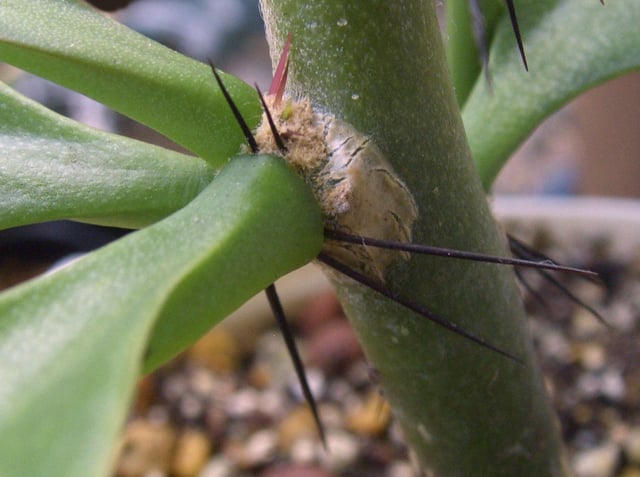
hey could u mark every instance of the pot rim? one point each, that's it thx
(570, 218)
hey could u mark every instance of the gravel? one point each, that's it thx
(250, 409)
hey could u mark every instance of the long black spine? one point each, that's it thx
(410, 304)
(278, 312)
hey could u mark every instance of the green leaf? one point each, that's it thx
(71, 43)
(570, 46)
(71, 343)
(53, 168)
(462, 51)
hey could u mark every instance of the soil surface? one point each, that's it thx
(221, 411)
(227, 409)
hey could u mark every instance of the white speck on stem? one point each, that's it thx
(422, 430)
(342, 22)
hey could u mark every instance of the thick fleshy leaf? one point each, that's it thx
(71, 343)
(54, 168)
(570, 46)
(71, 43)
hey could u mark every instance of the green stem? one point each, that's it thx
(464, 410)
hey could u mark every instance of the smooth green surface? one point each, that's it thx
(53, 168)
(71, 343)
(465, 411)
(69, 42)
(462, 51)
(571, 46)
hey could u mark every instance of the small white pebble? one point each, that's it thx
(219, 466)
(588, 385)
(202, 382)
(597, 462)
(613, 385)
(556, 346)
(400, 468)
(584, 324)
(343, 450)
(592, 356)
(623, 315)
(338, 390)
(242, 403)
(175, 387)
(396, 434)
(271, 402)
(304, 450)
(316, 380)
(332, 415)
(190, 406)
(260, 447)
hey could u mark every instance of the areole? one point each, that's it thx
(367, 210)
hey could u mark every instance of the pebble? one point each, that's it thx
(315, 380)
(259, 449)
(144, 447)
(202, 382)
(612, 385)
(218, 466)
(609, 384)
(361, 375)
(242, 403)
(304, 451)
(298, 424)
(259, 375)
(554, 345)
(296, 471)
(632, 445)
(218, 350)
(584, 324)
(271, 403)
(624, 316)
(174, 387)
(340, 390)
(191, 407)
(191, 453)
(343, 450)
(592, 356)
(597, 462)
(401, 469)
(371, 418)
(272, 352)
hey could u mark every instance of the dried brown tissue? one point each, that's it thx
(357, 189)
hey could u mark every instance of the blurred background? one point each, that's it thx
(590, 147)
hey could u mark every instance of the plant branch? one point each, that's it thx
(464, 410)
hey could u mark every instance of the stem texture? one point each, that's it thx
(466, 411)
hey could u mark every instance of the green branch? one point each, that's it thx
(69, 42)
(465, 411)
